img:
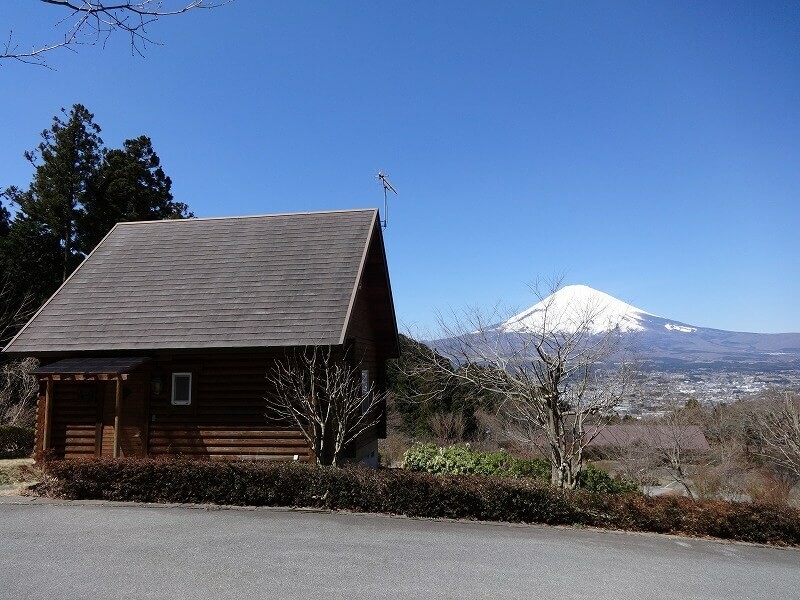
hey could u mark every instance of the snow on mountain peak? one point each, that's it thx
(568, 309)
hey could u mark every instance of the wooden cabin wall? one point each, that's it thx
(73, 430)
(371, 330)
(366, 337)
(226, 419)
(38, 440)
(133, 416)
(227, 416)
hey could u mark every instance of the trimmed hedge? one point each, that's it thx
(397, 491)
(463, 460)
(16, 442)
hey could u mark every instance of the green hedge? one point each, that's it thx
(463, 460)
(16, 442)
(398, 491)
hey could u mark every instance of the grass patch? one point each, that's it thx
(19, 471)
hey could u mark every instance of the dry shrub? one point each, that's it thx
(723, 481)
(488, 434)
(19, 389)
(637, 463)
(769, 487)
(392, 449)
(448, 428)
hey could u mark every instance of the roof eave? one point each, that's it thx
(7, 347)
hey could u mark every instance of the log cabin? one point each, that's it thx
(159, 343)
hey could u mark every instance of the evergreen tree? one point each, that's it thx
(5, 221)
(130, 186)
(78, 192)
(31, 260)
(420, 392)
(66, 161)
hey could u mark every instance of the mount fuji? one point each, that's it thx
(660, 342)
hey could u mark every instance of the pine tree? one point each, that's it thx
(78, 192)
(66, 161)
(130, 186)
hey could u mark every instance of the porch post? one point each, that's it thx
(117, 412)
(48, 413)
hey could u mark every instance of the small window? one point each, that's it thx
(181, 389)
(364, 391)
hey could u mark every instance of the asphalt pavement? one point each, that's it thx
(80, 550)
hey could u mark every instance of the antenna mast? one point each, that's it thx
(386, 186)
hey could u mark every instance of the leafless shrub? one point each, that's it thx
(393, 448)
(673, 447)
(636, 462)
(19, 391)
(488, 434)
(777, 426)
(317, 391)
(14, 311)
(727, 480)
(447, 428)
(767, 486)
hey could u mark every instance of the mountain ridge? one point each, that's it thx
(658, 340)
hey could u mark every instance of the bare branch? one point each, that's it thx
(19, 389)
(89, 23)
(778, 430)
(556, 372)
(318, 392)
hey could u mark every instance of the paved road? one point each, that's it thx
(117, 551)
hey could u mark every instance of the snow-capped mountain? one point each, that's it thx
(578, 306)
(657, 340)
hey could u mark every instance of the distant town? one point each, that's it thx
(660, 390)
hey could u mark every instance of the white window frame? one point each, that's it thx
(172, 394)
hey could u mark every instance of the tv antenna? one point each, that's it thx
(386, 187)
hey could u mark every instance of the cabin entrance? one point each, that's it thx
(94, 407)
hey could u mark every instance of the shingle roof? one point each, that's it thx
(272, 280)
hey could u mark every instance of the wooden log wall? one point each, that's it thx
(39, 437)
(371, 332)
(73, 429)
(227, 416)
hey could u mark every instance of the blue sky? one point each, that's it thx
(650, 150)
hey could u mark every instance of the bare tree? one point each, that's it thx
(14, 310)
(91, 22)
(18, 386)
(636, 461)
(19, 391)
(778, 430)
(558, 373)
(674, 442)
(327, 399)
